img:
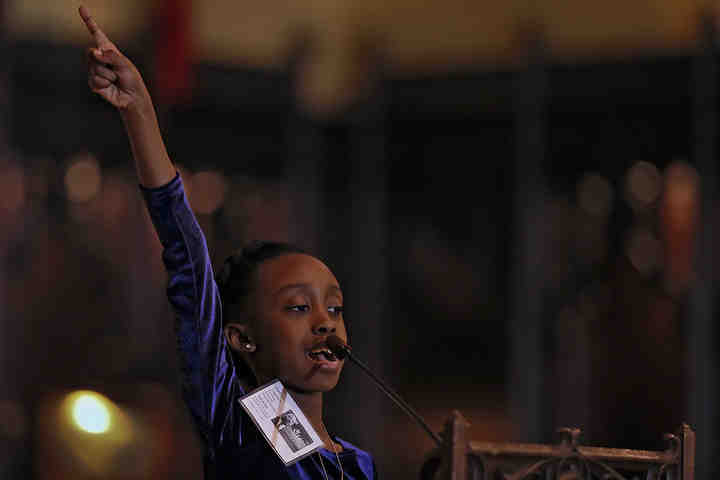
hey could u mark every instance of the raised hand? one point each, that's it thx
(110, 74)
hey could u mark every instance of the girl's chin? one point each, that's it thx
(311, 386)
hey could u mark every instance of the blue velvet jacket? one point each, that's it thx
(234, 447)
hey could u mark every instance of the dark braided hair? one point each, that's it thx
(236, 278)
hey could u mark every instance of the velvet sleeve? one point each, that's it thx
(206, 368)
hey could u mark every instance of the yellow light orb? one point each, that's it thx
(90, 412)
(83, 178)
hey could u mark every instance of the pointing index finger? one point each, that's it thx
(101, 39)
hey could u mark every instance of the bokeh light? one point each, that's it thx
(83, 178)
(643, 184)
(644, 250)
(91, 412)
(679, 217)
(208, 191)
(682, 186)
(86, 433)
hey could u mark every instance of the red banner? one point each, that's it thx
(173, 52)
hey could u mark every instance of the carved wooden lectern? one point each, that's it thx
(462, 459)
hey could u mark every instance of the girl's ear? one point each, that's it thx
(238, 338)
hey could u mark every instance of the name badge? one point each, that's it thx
(283, 424)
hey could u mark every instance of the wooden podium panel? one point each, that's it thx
(462, 459)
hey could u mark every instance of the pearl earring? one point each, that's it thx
(248, 346)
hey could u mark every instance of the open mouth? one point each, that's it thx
(322, 354)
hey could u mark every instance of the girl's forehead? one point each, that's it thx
(294, 269)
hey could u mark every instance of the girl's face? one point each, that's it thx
(297, 305)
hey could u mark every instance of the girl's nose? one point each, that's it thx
(323, 328)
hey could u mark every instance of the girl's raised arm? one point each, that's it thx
(208, 375)
(112, 76)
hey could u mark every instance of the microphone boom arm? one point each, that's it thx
(339, 346)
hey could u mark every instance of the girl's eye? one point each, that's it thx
(335, 310)
(299, 308)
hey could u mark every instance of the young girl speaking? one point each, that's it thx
(266, 316)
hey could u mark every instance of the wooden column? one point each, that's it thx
(526, 379)
(702, 363)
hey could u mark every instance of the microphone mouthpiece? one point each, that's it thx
(339, 348)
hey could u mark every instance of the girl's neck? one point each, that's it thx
(312, 406)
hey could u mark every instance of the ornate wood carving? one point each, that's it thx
(460, 459)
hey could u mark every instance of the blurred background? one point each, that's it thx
(519, 199)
